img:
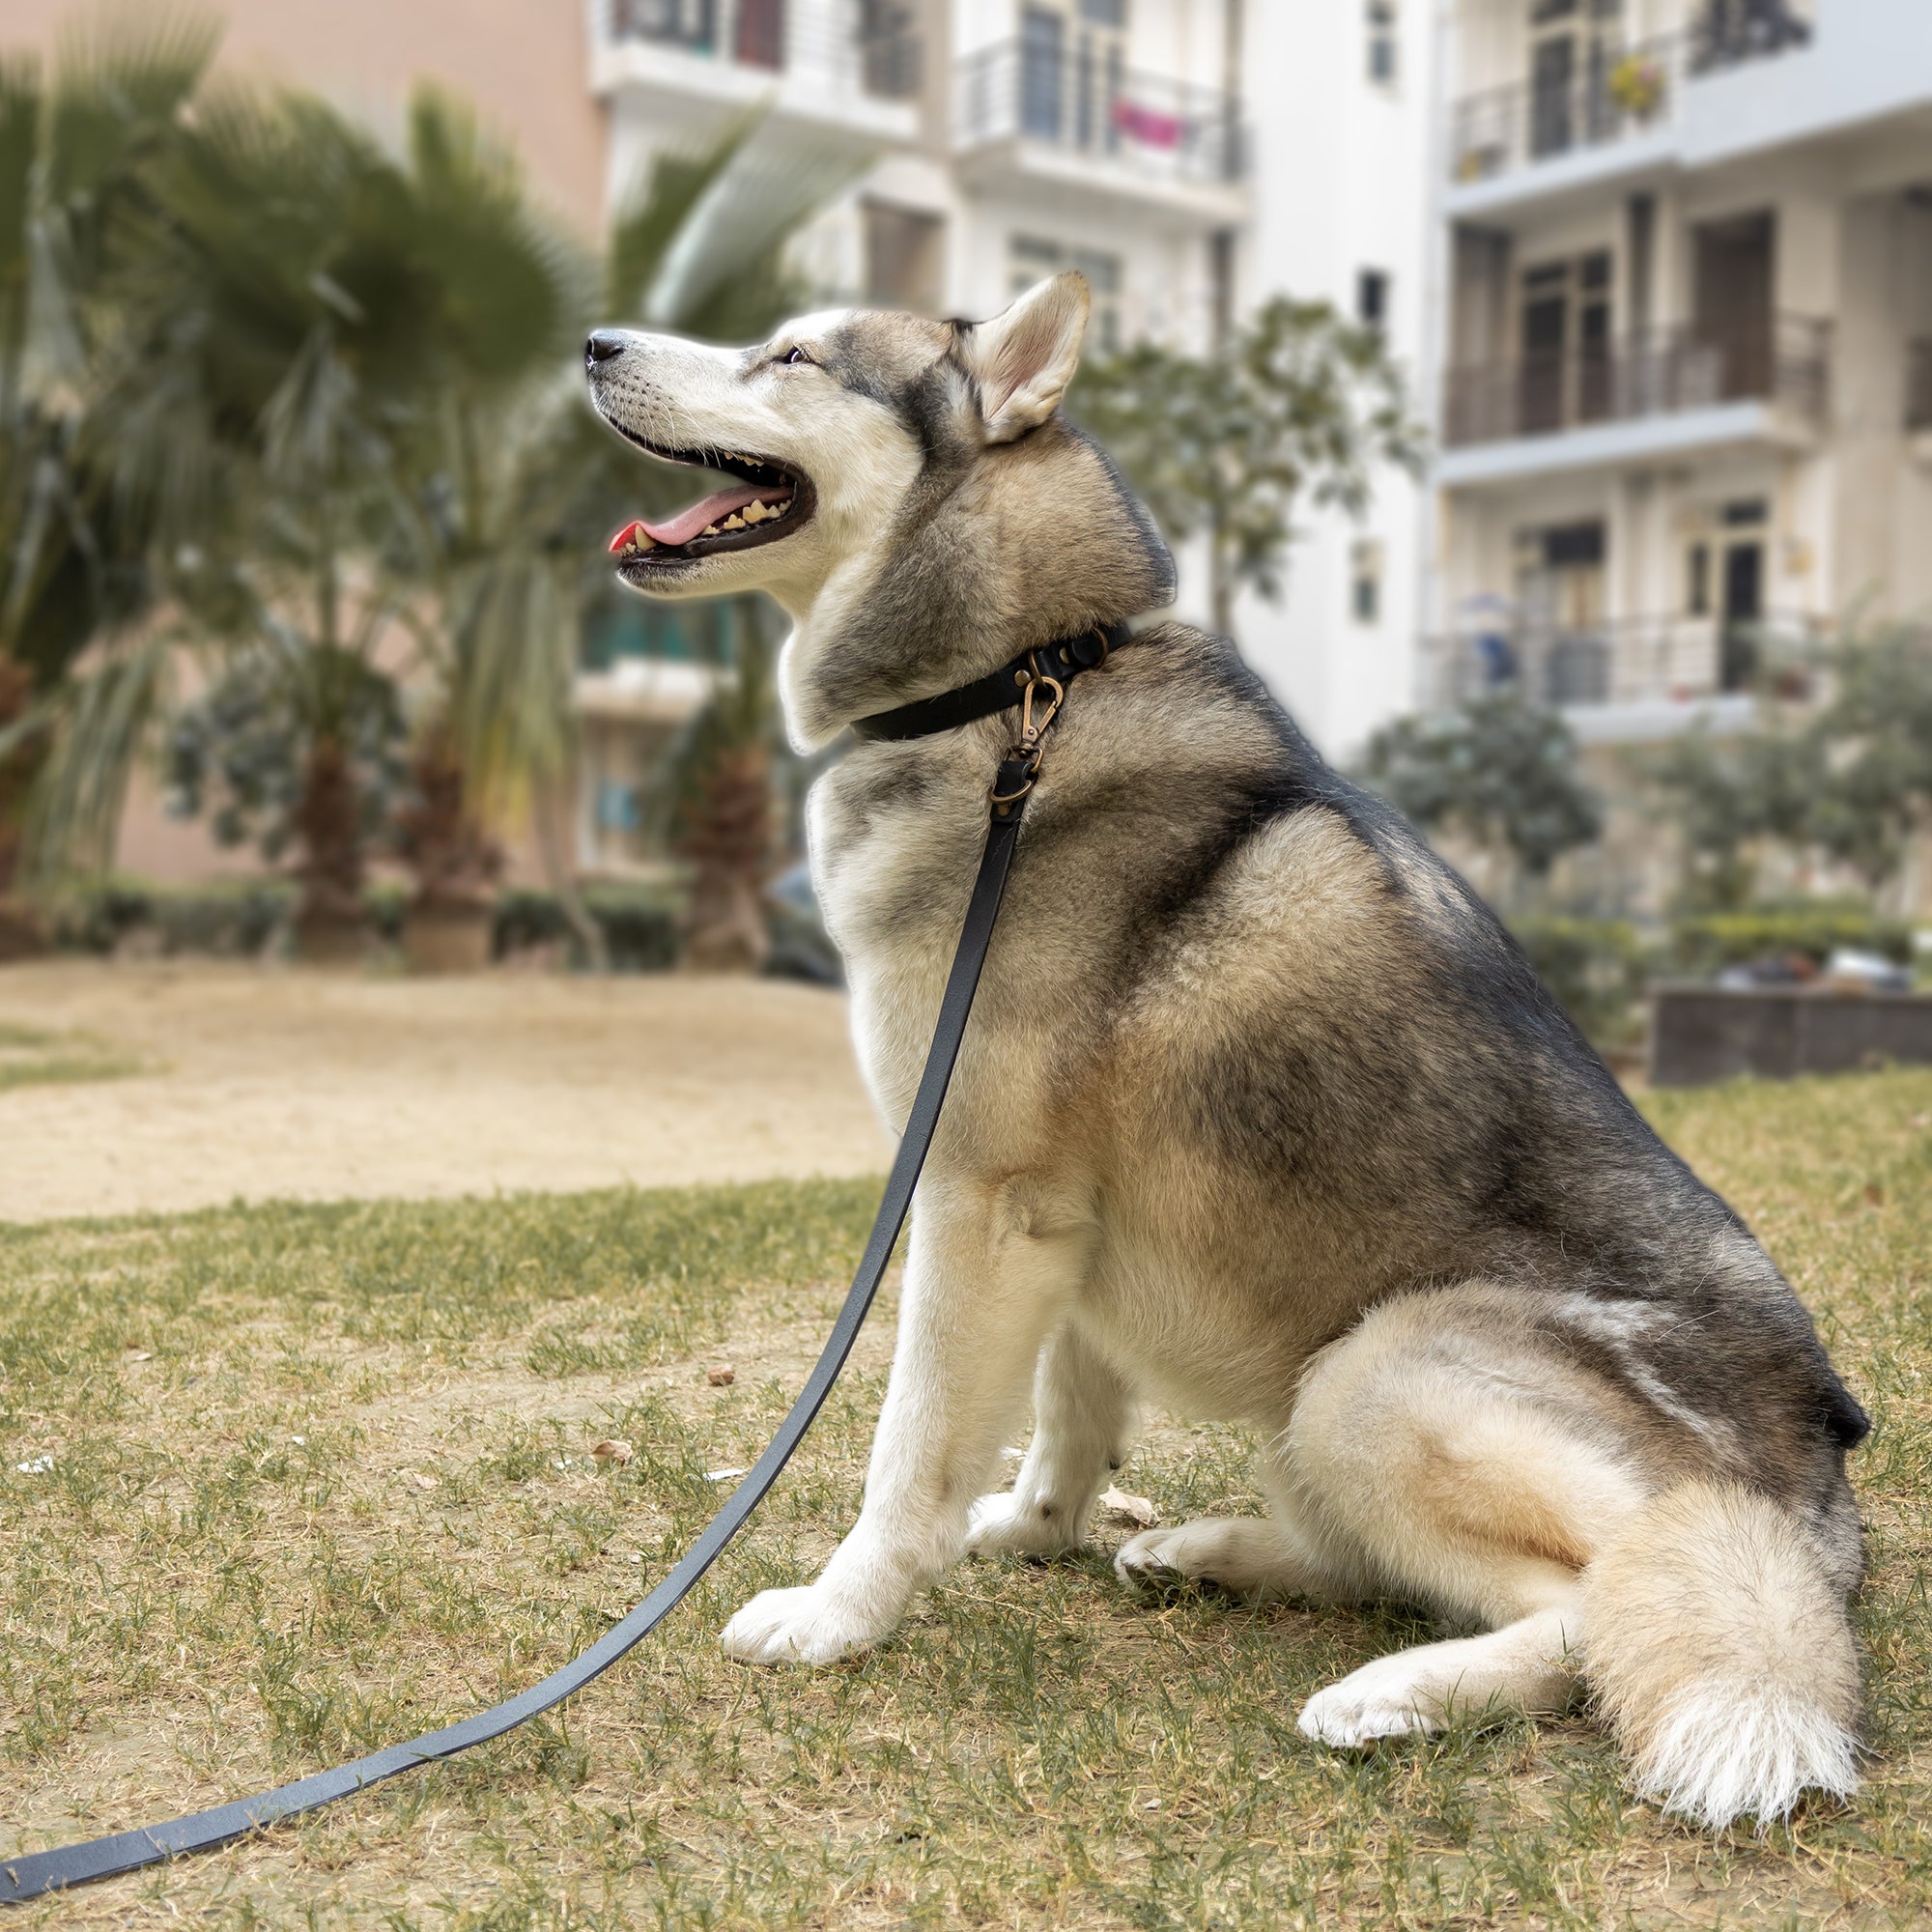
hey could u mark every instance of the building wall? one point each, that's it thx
(523, 62)
(1340, 186)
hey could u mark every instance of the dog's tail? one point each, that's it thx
(1720, 1651)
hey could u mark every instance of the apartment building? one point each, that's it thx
(1684, 249)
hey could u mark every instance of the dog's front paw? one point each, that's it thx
(806, 1626)
(1381, 1700)
(1010, 1524)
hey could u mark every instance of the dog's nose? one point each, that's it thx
(603, 344)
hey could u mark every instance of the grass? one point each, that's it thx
(319, 1480)
(32, 1056)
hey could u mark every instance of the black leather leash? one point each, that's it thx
(1037, 683)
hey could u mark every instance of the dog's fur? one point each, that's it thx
(1260, 1115)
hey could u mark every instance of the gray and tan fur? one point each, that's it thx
(1260, 1116)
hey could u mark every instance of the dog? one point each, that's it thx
(1260, 1116)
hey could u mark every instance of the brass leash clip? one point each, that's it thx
(1032, 746)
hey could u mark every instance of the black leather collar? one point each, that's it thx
(1062, 661)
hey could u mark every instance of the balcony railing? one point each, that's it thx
(866, 45)
(1087, 106)
(1919, 383)
(1627, 661)
(1651, 372)
(1613, 93)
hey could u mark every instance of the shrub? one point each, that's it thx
(1703, 944)
(230, 921)
(640, 924)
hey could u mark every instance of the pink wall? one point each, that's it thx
(525, 62)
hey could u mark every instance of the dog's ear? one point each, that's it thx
(1024, 357)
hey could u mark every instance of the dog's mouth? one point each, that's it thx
(770, 501)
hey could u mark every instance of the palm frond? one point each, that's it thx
(655, 211)
(724, 262)
(100, 723)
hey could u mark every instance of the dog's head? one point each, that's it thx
(905, 488)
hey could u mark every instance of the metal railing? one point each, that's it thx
(1623, 660)
(1088, 105)
(1650, 372)
(1613, 92)
(870, 45)
(1919, 383)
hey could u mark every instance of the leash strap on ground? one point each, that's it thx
(28, 1877)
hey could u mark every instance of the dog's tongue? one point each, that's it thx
(686, 524)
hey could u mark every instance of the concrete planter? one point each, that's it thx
(447, 938)
(1699, 1033)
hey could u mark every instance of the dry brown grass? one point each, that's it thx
(320, 1481)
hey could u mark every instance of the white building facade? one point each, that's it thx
(1684, 342)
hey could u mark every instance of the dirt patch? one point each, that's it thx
(281, 1083)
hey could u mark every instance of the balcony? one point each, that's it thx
(855, 64)
(1615, 96)
(1024, 115)
(1650, 394)
(1642, 676)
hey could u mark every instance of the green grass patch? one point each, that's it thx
(305, 1480)
(33, 1057)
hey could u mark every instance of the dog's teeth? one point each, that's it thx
(709, 530)
(732, 523)
(756, 512)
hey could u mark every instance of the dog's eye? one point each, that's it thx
(795, 353)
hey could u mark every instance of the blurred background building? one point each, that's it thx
(1191, 157)
(1685, 351)
(1659, 273)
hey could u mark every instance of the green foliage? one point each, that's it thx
(344, 398)
(641, 926)
(1850, 780)
(1302, 404)
(1498, 770)
(79, 150)
(1702, 942)
(242, 751)
(1596, 967)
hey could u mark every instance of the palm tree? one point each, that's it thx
(347, 398)
(700, 249)
(77, 152)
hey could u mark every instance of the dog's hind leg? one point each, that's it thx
(992, 1269)
(1471, 1465)
(1280, 1555)
(1083, 1415)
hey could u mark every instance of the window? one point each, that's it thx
(1380, 23)
(1563, 325)
(1698, 581)
(1365, 581)
(1031, 258)
(1372, 296)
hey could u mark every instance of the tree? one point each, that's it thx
(1496, 769)
(77, 150)
(347, 391)
(700, 249)
(1728, 797)
(1301, 404)
(1850, 780)
(277, 313)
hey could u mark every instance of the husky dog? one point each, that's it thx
(1260, 1116)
